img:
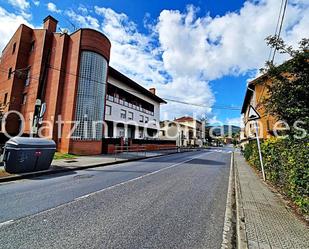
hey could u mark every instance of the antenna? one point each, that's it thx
(72, 24)
(63, 31)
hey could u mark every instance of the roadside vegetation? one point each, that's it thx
(59, 156)
(286, 158)
(286, 163)
(289, 88)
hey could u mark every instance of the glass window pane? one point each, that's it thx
(90, 96)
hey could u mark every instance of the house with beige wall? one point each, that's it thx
(256, 93)
(186, 131)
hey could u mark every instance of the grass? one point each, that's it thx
(59, 156)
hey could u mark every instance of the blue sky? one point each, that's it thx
(200, 51)
(137, 9)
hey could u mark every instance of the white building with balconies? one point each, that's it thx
(131, 111)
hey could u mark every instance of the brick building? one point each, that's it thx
(66, 72)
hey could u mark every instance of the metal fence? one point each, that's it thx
(140, 151)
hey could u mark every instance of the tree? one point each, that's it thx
(289, 89)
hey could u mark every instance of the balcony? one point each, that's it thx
(129, 105)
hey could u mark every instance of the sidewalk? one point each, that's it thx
(268, 223)
(84, 162)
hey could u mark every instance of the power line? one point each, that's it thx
(205, 106)
(280, 26)
(131, 91)
(167, 99)
(277, 26)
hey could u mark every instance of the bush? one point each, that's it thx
(286, 163)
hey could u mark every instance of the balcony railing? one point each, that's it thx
(129, 105)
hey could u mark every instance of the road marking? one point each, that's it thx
(122, 183)
(109, 188)
(140, 177)
(82, 197)
(6, 223)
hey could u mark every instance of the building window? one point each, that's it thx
(90, 96)
(10, 73)
(121, 132)
(123, 114)
(146, 120)
(32, 45)
(155, 121)
(141, 118)
(130, 115)
(27, 80)
(14, 48)
(141, 134)
(5, 98)
(24, 100)
(108, 110)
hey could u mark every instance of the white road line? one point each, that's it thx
(111, 187)
(140, 177)
(6, 223)
(82, 197)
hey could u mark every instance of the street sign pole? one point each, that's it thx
(259, 148)
(253, 115)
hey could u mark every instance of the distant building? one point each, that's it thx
(68, 75)
(186, 131)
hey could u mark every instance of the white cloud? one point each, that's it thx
(229, 44)
(36, 3)
(83, 21)
(183, 51)
(238, 121)
(19, 4)
(53, 8)
(137, 55)
(213, 120)
(82, 9)
(9, 24)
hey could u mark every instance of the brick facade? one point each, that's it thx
(52, 60)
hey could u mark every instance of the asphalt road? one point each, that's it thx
(175, 201)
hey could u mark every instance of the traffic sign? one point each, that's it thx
(253, 114)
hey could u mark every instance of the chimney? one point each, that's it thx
(152, 90)
(50, 24)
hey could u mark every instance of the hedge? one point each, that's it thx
(286, 164)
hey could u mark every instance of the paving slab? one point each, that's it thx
(268, 223)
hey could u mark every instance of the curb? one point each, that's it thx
(241, 237)
(229, 230)
(57, 171)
